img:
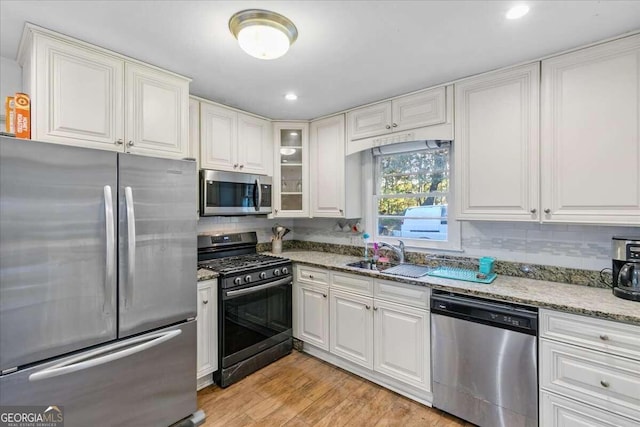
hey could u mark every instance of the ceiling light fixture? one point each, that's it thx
(263, 34)
(291, 97)
(517, 11)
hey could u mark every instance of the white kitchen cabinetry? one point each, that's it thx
(378, 329)
(311, 317)
(402, 345)
(335, 179)
(351, 324)
(87, 96)
(590, 136)
(423, 115)
(194, 130)
(497, 145)
(420, 109)
(207, 332)
(593, 363)
(233, 141)
(291, 170)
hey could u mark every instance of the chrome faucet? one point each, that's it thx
(399, 250)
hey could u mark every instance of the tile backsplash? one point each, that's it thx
(573, 246)
(237, 224)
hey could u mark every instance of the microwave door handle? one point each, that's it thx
(258, 190)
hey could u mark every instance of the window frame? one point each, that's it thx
(453, 242)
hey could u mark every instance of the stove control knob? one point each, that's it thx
(276, 272)
(247, 278)
(263, 275)
(237, 281)
(285, 270)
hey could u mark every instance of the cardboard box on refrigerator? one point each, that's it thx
(23, 116)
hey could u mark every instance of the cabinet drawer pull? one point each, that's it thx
(395, 125)
(604, 337)
(375, 308)
(324, 295)
(368, 307)
(604, 384)
(205, 301)
(311, 276)
(534, 210)
(388, 127)
(547, 211)
(130, 143)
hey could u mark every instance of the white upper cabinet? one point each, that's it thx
(157, 112)
(497, 144)
(194, 130)
(254, 145)
(335, 178)
(291, 170)
(233, 141)
(218, 137)
(590, 135)
(87, 96)
(417, 110)
(370, 121)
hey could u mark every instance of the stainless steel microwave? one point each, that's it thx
(234, 194)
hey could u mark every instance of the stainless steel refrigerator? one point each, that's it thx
(97, 284)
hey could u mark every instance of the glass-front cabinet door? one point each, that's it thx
(291, 170)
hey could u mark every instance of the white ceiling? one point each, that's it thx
(348, 53)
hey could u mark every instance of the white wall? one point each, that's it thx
(10, 79)
(573, 246)
(221, 224)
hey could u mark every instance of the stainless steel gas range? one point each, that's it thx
(254, 304)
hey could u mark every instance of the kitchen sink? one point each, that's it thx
(402, 270)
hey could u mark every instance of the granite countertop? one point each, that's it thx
(591, 301)
(206, 274)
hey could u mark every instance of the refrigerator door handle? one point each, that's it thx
(87, 360)
(110, 249)
(131, 246)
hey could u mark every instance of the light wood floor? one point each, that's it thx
(300, 390)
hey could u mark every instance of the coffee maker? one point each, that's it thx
(626, 267)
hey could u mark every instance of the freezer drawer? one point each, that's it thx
(154, 385)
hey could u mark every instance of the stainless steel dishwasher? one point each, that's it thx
(484, 360)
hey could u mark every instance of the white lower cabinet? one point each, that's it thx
(401, 343)
(562, 412)
(378, 329)
(311, 314)
(589, 373)
(351, 323)
(207, 332)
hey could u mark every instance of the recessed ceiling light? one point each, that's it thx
(517, 11)
(291, 97)
(263, 34)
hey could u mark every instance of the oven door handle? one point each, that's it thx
(240, 292)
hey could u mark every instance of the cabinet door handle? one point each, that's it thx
(235, 166)
(311, 276)
(604, 383)
(388, 127)
(130, 143)
(205, 301)
(395, 125)
(375, 308)
(547, 211)
(119, 141)
(324, 295)
(604, 337)
(241, 166)
(534, 210)
(341, 212)
(368, 307)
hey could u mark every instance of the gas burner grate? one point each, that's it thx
(233, 264)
